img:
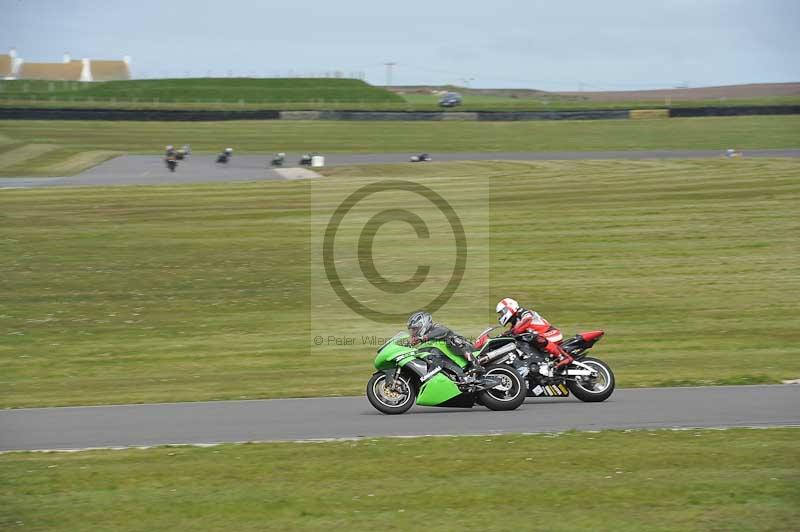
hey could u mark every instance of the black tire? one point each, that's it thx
(509, 399)
(383, 403)
(595, 390)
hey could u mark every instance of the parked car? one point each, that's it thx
(450, 99)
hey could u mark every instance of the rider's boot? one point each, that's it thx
(559, 354)
(564, 360)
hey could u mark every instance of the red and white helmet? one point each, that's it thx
(506, 309)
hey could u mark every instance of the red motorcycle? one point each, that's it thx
(587, 378)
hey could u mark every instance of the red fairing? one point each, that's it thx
(481, 341)
(591, 335)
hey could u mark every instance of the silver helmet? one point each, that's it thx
(419, 323)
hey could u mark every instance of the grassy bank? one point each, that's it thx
(264, 92)
(64, 145)
(141, 294)
(664, 480)
(308, 94)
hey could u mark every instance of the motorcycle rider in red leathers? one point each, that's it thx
(522, 320)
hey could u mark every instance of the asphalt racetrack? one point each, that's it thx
(353, 417)
(151, 170)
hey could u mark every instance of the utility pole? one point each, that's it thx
(389, 67)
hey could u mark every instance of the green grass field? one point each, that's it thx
(299, 93)
(701, 480)
(169, 293)
(65, 147)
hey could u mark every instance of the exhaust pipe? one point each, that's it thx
(496, 353)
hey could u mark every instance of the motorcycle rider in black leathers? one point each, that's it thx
(423, 329)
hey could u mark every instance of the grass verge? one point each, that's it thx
(741, 479)
(143, 294)
(34, 159)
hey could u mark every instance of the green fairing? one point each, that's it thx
(391, 349)
(442, 346)
(437, 390)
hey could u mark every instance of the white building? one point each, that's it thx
(12, 67)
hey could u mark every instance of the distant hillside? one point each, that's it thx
(500, 93)
(268, 90)
(738, 92)
(753, 90)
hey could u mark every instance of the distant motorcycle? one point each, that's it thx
(422, 157)
(171, 163)
(223, 158)
(305, 160)
(278, 159)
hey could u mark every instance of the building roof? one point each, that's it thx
(109, 70)
(53, 71)
(6, 65)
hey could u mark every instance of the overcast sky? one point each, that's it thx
(551, 45)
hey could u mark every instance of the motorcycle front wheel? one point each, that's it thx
(511, 392)
(596, 388)
(390, 401)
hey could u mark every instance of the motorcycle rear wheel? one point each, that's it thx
(594, 390)
(389, 401)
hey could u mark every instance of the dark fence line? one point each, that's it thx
(601, 114)
(738, 110)
(186, 115)
(198, 116)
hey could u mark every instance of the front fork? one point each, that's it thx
(391, 378)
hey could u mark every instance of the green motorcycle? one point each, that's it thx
(432, 374)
